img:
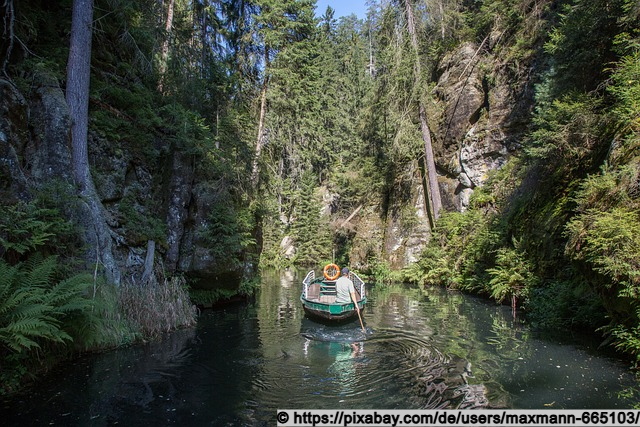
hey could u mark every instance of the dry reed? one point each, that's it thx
(153, 309)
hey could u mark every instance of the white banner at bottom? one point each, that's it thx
(455, 418)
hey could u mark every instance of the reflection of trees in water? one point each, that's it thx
(279, 301)
(509, 341)
(457, 326)
(138, 377)
(432, 380)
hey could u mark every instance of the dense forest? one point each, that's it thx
(156, 153)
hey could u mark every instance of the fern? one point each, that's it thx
(627, 339)
(513, 274)
(21, 231)
(35, 310)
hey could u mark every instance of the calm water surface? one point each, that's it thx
(421, 349)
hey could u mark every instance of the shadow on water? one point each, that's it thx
(421, 349)
(102, 389)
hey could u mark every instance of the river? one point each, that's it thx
(421, 349)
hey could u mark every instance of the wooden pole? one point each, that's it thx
(360, 318)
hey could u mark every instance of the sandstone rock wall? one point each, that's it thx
(35, 150)
(486, 108)
(480, 112)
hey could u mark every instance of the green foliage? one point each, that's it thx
(626, 90)
(436, 268)
(564, 304)
(311, 231)
(513, 274)
(457, 247)
(272, 235)
(610, 243)
(581, 45)
(229, 231)
(249, 285)
(22, 230)
(569, 133)
(605, 236)
(38, 226)
(34, 310)
(139, 221)
(605, 232)
(626, 339)
(626, 86)
(382, 273)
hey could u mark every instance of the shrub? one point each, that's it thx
(40, 315)
(228, 231)
(40, 225)
(559, 304)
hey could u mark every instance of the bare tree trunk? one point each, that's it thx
(78, 75)
(442, 30)
(148, 262)
(263, 113)
(97, 234)
(204, 47)
(217, 139)
(354, 213)
(164, 52)
(434, 190)
(372, 67)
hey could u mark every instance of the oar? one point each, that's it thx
(360, 318)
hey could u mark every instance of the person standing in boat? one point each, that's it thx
(345, 291)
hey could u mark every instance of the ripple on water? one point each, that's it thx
(378, 368)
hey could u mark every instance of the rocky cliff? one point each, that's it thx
(486, 110)
(143, 199)
(479, 112)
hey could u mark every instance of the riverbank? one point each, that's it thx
(102, 318)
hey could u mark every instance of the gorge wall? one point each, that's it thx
(479, 112)
(145, 197)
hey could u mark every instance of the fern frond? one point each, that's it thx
(71, 291)
(8, 276)
(39, 272)
(33, 311)
(17, 343)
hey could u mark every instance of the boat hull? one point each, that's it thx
(332, 312)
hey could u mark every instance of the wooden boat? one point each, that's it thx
(319, 295)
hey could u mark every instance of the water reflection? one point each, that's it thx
(102, 390)
(421, 349)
